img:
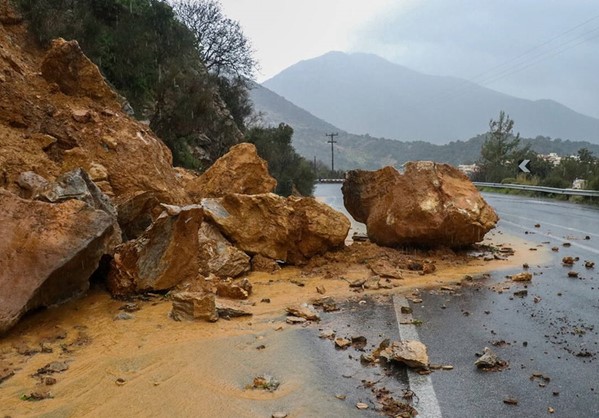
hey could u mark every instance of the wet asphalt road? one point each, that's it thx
(551, 333)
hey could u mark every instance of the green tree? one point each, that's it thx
(501, 151)
(292, 171)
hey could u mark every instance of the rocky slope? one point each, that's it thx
(78, 176)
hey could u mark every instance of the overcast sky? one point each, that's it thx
(535, 49)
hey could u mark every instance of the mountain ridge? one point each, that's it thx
(366, 94)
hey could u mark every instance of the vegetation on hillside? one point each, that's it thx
(182, 65)
(292, 171)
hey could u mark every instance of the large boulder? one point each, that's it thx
(166, 254)
(70, 118)
(289, 229)
(241, 170)
(217, 256)
(49, 251)
(431, 204)
(66, 65)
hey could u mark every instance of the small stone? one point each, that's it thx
(130, 307)
(279, 415)
(522, 277)
(265, 382)
(123, 316)
(304, 311)
(573, 274)
(49, 381)
(510, 401)
(568, 261)
(550, 410)
(406, 310)
(566, 244)
(120, 381)
(361, 405)
(589, 264)
(321, 290)
(555, 249)
(340, 396)
(342, 343)
(327, 334)
(447, 367)
(295, 320)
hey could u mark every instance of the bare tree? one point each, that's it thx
(222, 46)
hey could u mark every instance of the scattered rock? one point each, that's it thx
(510, 401)
(53, 367)
(193, 306)
(431, 204)
(490, 361)
(572, 274)
(328, 334)
(555, 249)
(130, 307)
(280, 415)
(6, 372)
(359, 342)
(568, 261)
(264, 382)
(304, 311)
(361, 405)
(37, 395)
(522, 277)
(342, 343)
(234, 290)
(384, 268)
(521, 293)
(123, 316)
(295, 320)
(589, 264)
(227, 310)
(409, 352)
(321, 290)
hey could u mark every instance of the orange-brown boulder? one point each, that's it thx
(241, 170)
(69, 118)
(165, 255)
(431, 204)
(66, 65)
(289, 229)
(49, 251)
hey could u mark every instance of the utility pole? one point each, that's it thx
(332, 142)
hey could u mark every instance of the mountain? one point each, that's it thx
(363, 93)
(366, 152)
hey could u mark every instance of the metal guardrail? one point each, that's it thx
(542, 189)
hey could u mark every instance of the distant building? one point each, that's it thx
(468, 169)
(552, 157)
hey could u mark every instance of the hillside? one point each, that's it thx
(363, 151)
(363, 93)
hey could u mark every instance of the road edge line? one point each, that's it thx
(421, 385)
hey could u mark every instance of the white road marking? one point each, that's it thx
(422, 386)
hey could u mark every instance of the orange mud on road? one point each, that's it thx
(152, 366)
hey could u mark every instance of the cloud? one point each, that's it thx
(527, 48)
